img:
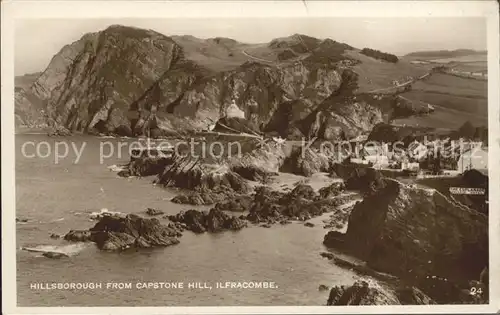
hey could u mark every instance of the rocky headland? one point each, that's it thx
(128, 81)
(115, 233)
(419, 235)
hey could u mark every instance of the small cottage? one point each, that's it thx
(234, 111)
(376, 154)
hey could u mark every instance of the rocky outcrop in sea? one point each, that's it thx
(211, 221)
(115, 233)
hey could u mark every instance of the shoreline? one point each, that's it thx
(287, 190)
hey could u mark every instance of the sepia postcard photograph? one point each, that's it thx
(250, 157)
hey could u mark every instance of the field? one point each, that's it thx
(222, 55)
(452, 85)
(262, 51)
(456, 100)
(376, 74)
(467, 59)
(471, 66)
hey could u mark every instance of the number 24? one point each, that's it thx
(475, 291)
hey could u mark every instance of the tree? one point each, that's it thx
(467, 130)
(481, 134)
(436, 163)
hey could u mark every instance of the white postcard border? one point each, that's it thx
(12, 10)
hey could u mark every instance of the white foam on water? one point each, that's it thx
(102, 213)
(70, 250)
(116, 168)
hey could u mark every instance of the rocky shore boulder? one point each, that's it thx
(364, 293)
(361, 293)
(306, 161)
(205, 196)
(262, 161)
(153, 211)
(114, 233)
(195, 173)
(359, 177)
(302, 203)
(78, 236)
(333, 190)
(59, 131)
(212, 221)
(145, 166)
(239, 203)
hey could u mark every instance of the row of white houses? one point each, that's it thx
(472, 155)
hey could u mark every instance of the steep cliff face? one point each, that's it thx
(343, 114)
(416, 233)
(258, 90)
(97, 77)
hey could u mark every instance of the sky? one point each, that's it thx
(38, 40)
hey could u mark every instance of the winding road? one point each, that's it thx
(402, 84)
(256, 58)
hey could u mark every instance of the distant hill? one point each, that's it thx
(377, 54)
(25, 81)
(445, 53)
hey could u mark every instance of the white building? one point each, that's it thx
(234, 111)
(376, 154)
(412, 166)
(417, 150)
(475, 158)
(358, 161)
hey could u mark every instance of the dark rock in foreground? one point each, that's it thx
(261, 162)
(213, 221)
(362, 293)
(145, 165)
(417, 234)
(359, 177)
(59, 131)
(333, 190)
(119, 233)
(196, 173)
(239, 203)
(204, 196)
(302, 203)
(306, 161)
(78, 236)
(153, 212)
